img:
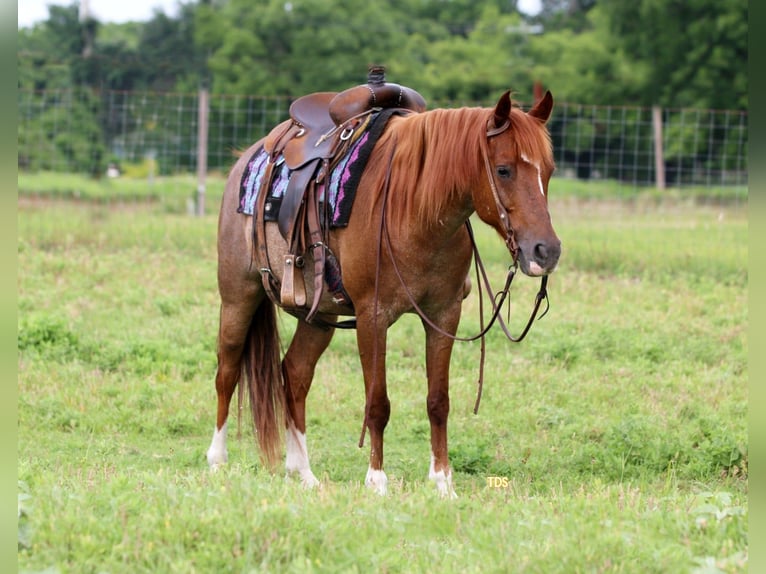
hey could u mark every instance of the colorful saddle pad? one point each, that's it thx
(339, 188)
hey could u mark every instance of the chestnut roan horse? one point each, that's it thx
(426, 176)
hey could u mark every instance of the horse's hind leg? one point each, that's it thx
(232, 332)
(308, 344)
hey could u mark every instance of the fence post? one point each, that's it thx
(659, 156)
(202, 125)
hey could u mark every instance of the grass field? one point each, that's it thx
(613, 439)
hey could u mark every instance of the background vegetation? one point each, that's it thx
(600, 52)
(679, 56)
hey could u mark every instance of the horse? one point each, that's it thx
(406, 248)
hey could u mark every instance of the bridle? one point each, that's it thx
(505, 221)
(481, 276)
(510, 242)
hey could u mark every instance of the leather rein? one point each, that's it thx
(497, 300)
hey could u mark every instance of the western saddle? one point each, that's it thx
(321, 128)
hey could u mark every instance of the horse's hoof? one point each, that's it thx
(217, 453)
(443, 482)
(216, 459)
(447, 493)
(377, 481)
(309, 481)
(310, 484)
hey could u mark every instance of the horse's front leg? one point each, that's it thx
(371, 340)
(438, 354)
(298, 365)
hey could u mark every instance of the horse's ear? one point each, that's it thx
(502, 109)
(542, 109)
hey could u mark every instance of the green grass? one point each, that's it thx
(616, 432)
(176, 191)
(610, 190)
(175, 194)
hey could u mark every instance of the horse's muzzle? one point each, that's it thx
(540, 257)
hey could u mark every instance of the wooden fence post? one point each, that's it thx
(202, 126)
(659, 157)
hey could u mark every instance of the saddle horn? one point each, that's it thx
(376, 93)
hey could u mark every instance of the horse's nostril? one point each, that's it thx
(541, 252)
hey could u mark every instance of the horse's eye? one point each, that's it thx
(503, 171)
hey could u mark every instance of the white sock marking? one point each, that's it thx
(442, 480)
(216, 454)
(539, 174)
(377, 481)
(297, 460)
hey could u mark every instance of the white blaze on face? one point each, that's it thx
(539, 173)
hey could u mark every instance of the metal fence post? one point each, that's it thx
(659, 158)
(202, 127)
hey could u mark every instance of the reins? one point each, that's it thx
(386, 186)
(498, 300)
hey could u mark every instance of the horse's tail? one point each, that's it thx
(263, 373)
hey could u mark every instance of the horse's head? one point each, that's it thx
(519, 162)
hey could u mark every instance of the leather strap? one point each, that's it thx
(317, 248)
(259, 230)
(293, 290)
(293, 198)
(502, 213)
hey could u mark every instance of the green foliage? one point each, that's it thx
(144, 169)
(587, 66)
(168, 56)
(47, 336)
(159, 54)
(690, 49)
(653, 52)
(277, 48)
(50, 139)
(475, 55)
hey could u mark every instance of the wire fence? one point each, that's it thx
(83, 131)
(696, 147)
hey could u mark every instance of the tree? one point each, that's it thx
(458, 49)
(272, 47)
(492, 58)
(65, 134)
(695, 52)
(169, 53)
(565, 14)
(48, 52)
(589, 66)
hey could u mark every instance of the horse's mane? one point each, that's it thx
(438, 155)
